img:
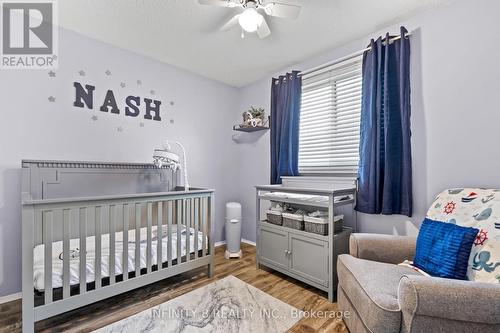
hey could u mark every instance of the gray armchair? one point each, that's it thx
(384, 297)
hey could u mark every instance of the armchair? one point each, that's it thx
(384, 297)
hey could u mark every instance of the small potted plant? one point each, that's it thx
(254, 117)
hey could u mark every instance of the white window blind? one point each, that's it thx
(329, 119)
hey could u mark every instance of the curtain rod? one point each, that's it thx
(350, 56)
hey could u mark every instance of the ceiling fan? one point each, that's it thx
(251, 20)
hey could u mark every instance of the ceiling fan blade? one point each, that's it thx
(283, 10)
(218, 3)
(231, 23)
(263, 30)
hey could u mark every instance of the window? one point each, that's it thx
(329, 119)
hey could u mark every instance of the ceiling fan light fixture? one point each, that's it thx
(250, 20)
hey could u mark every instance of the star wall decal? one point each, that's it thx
(172, 103)
(139, 82)
(119, 129)
(141, 124)
(152, 92)
(52, 74)
(52, 99)
(81, 73)
(171, 121)
(94, 118)
(122, 85)
(108, 72)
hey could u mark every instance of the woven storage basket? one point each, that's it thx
(294, 221)
(274, 217)
(319, 225)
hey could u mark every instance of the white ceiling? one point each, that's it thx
(185, 34)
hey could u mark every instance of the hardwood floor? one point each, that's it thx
(108, 311)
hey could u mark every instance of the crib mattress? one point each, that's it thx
(74, 267)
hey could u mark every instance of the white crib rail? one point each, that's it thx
(47, 221)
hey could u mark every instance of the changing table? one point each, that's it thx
(305, 256)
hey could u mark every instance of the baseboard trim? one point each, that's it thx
(249, 242)
(243, 240)
(10, 298)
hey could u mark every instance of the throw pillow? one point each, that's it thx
(477, 208)
(443, 249)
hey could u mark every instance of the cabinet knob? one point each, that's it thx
(288, 252)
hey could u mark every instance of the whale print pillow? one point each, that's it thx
(477, 208)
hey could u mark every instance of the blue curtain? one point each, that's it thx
(285, 115)
(385, 173)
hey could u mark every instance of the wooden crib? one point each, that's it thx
(94, 230)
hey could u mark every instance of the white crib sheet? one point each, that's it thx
(74, 269)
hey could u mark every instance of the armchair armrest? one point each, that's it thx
(383, 248)
(464, 301)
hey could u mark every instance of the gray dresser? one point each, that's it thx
(305, 256)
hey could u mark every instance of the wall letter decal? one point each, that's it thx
(132, 110)
(87, 95)
(84, 97)
(110, 101)
(155, 109)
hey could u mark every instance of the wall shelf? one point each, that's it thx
(249, 129)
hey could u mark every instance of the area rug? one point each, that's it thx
(227, 305)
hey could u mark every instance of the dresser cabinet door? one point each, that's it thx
(309, 258)
(273, 247)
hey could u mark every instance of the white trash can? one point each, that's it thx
(233, 230)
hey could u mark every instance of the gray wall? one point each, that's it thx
(455, 115)
(31, 127)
